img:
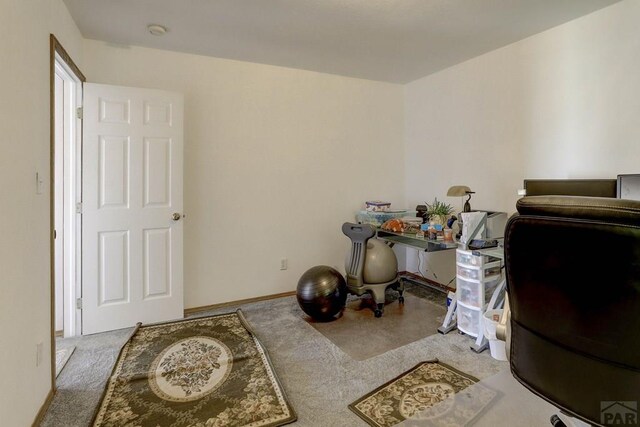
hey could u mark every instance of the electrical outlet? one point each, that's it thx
(284, 264)
(38, 354)
(39, 183)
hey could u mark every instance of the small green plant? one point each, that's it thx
(439, 211)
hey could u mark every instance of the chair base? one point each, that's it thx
(377, 291)
(567, 421)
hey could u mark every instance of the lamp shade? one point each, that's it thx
(459, 191)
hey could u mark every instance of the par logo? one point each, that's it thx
(619, 413)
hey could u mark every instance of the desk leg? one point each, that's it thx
(497, 299)
(481, 343)
(450, 322)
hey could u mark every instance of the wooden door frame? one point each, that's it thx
(55, 48)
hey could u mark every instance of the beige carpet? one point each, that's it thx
(361, 335)
(319, 378)
(62, 357)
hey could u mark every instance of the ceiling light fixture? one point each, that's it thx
(157, 30)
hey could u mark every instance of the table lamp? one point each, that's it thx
(460, 191)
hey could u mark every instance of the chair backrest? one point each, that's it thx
(573, 277)
(359, 235)
(571, 187)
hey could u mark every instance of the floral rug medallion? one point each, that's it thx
(190, 369)
(427, 392)
(200, 372)
(417, 399)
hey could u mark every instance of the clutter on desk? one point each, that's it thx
(477, 244)
(412, 221)
(452, 220)
(433, 231)
(405, 224)
(377, 206)
(428, 221)
(448, 234)
(378, 218)
(439, 212)
(395, 225)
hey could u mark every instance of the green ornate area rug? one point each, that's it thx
(428, 394)
(201, 372)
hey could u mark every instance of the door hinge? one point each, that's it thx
(79, 303)
(79, 113)
(79, 208)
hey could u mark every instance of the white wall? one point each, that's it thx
(276, 159)
(24, 248)
(583, 96)
(561, 104)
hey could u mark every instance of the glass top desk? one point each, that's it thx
(413, 241)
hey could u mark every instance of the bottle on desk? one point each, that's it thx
(432, 231)
(448, 235)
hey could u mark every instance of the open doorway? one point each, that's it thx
(66, 185)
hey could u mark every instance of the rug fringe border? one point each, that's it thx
(294, 416)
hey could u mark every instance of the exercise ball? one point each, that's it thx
(321, 292)
(380, 265)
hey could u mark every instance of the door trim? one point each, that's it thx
(55, 47)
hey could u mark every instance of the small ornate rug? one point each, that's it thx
(425, 394)
(201, 372)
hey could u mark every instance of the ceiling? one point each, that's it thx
(388, 40)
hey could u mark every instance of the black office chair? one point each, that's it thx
(573, 280)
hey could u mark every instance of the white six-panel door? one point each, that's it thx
(132, 231)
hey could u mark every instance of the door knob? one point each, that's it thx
(176, 216)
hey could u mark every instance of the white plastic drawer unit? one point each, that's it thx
(468, 319)
(468, 258)
(476, 279)
(478, 273)
(469, 292)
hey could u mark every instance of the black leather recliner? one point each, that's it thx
(573, 280)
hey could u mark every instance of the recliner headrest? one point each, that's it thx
(619, 211)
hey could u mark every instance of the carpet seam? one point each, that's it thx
(294, 416)
(115, 366)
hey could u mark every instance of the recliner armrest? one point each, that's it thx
(503, 328)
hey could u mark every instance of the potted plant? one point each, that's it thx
(439, 212)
